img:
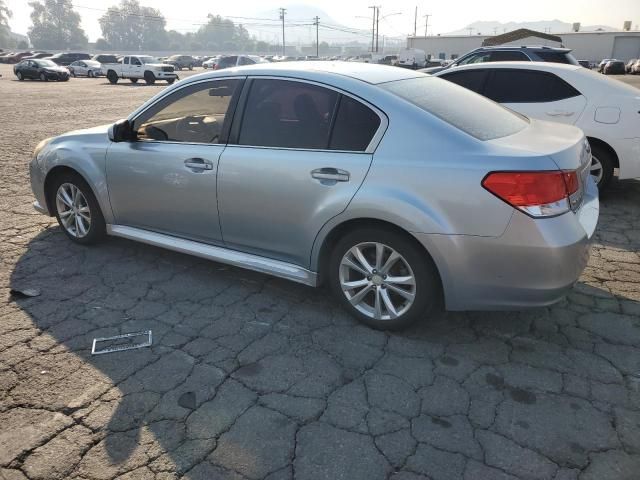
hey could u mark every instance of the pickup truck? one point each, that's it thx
(136, 67)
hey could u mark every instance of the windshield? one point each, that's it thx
(45, 63)
(462, 108)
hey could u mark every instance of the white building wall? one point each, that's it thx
(454, 45)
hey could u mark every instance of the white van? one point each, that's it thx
(412, 58)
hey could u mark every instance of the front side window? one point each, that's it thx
(135, 61)
(527, 86)
(287, 114)
(195, 114)
(458, 106)
(477, 58)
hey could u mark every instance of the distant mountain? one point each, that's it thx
(549, 26)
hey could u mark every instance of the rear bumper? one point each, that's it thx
(534, 263)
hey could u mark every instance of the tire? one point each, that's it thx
(112, 77)
(191, 67)
(73, 73)
(90, 74)
(20, 77)
(605, 159)
(149, 77)
(43, 78)
(413, 262)
(170, 80)
(95, 228)
(133, 80)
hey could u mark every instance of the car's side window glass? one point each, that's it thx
(287, 114)
(126, 60)
(354, 126)
(471, 79)
(478, 58)
(508, 56)
(527, 86)
(135, 61)
(245, 61)
(195, 114)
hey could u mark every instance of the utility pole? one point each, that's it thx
(316, 22)
(377, 26)
(373, 28)
(471, 29)
(426, 24)
(282, 13)
(415, 22)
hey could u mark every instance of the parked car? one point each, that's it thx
(86, 68)
(37, 55)
(635, 69)
(181, 61)
(614, 67)
(5, 56)
(105, 58)
(136, 67)
(41, 69)
(602, 64)
(237, 61)
(510, 54)
(389, 60)
(68, 58)
(211, 62)
(498, 212)
(630, 64)
(585, 63)
(412, 58)
(16, 57)
(606, 110)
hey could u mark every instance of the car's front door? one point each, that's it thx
(297, 159)
(536, 94)
(165, 181)
(29, 69)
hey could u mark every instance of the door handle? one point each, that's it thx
(559, 113)
(198, 164)
(329, 173)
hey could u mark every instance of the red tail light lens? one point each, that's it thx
(539, 194)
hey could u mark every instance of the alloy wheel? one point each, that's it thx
(596, 170)
(73, 210)
(377, 281)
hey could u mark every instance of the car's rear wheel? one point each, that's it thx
(90, 74)
(170, 80)
(133, 80)
(383, 278)
(150, 78)
(20, 77)
(601, 166)
(43, 77)
(112, 77)
(190, 66)
(77, 209)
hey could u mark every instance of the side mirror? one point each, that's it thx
(121, 131)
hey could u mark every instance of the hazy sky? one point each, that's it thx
(448, 15)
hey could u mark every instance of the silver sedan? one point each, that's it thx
(86, 68)
(397, 189)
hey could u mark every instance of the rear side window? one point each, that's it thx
(458, 106)
(508, 56)
(354, 126)
(246, 61)
(471, 79)
(527, 86)
(287, 114)
(555, 57)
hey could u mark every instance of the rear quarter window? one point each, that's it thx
(462, 108)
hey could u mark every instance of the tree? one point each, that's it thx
(5, 32)
(102, 44)
(131, 26)
(22, 45)
(55, 25)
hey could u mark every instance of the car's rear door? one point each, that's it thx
(165, 181)
(296, 160)
(535, 93)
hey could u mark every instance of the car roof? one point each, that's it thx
(525, 47)
(548, 66)
(365, 72)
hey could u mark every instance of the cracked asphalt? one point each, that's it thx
(252, 377)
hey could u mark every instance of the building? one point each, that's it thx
(592, 46)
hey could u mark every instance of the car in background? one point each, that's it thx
(602, 64)
(510, 54)
(37, 55)
(630, 64)
(105, 58)
(635, 68)
(5, 56)
(237, 61)
(585, 63)
(606, 110)
(40, 69)
(16, 57)
(498, 212)
(388, 60)
(86, 68)
(211, 62)
(181, 61)
(67, 58)
(412, 58)
(614, 67)
(137, 67)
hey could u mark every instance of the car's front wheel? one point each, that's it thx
(77, 209)
(43, 77)
(150, 78)
(383, 278)
(112, 77)
(19, 75)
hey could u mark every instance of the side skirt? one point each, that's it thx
(260, 264)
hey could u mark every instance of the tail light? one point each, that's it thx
(538, 194)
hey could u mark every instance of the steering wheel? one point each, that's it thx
(191, 125)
